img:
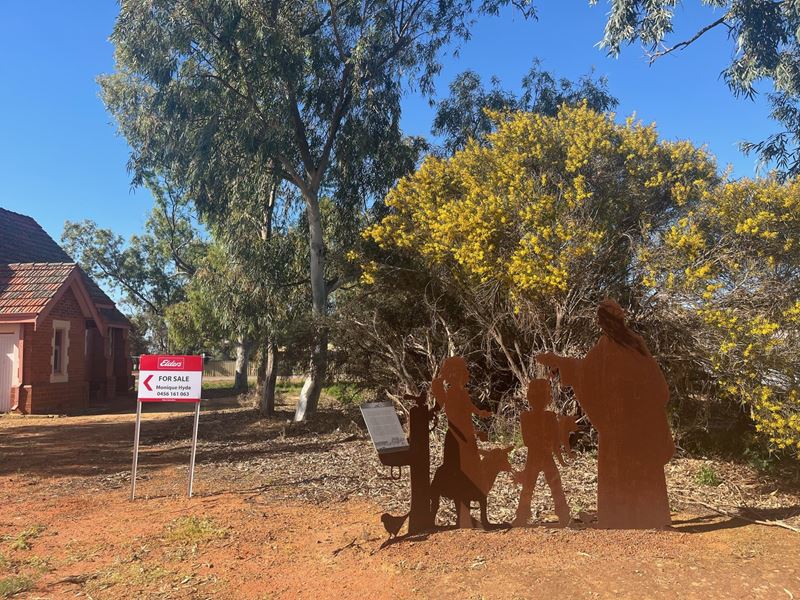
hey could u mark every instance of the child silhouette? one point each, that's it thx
(540, 433)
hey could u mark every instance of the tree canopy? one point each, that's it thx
(508, 246)
(766, 46)
(149, 271)
(464, 113)
(305, 91)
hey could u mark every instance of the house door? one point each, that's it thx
(6, 369)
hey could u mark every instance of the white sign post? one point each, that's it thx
(168, 379)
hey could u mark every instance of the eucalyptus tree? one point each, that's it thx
(463, 116)
(765, 47)
(264, 251)
(150, 271)
(309, 88)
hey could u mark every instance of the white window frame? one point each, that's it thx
(63, 375)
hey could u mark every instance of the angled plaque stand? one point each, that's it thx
(395, 451)
(384, 427)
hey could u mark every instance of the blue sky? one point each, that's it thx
(60, 158)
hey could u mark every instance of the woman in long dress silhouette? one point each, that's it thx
(462, 461)
(622, 390)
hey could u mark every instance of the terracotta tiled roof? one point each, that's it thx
(112, 316)
(26, 288)
(98, 296)
(22, 240)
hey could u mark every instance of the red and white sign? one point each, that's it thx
(170, 378)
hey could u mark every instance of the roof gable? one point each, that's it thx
(23, 241)
(27, 288)
(28, 291)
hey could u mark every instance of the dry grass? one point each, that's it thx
(194, 530)
(15, 584)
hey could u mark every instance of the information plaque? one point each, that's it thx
(384, 427)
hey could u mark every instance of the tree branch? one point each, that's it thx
(680, 45)
(300, 135)
(336, 120)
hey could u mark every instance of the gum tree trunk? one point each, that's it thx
(240, 379)
(261, 370)
(267, 404)
(318, 365)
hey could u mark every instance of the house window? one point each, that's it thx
(59, 361)
(58, 352)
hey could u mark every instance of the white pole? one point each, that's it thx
(194, 446)
(136, 447)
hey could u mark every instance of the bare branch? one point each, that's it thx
(680, 45)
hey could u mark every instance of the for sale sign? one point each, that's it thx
(170, 378)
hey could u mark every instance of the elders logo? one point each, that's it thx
(171, 363)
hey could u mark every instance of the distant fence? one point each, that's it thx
(226, 368)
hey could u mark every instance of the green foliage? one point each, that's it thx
(706, 475)
(759, 457)
(150, 271)
(311, 87)
(22, 541)
(765, 46)
(466, 113)
(345, 394)
(221, 384)
(220, 94)
(288, 386)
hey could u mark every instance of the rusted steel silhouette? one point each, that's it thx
(393, 524)
(420, 419)
(461, 472)
(624, 394)
(418, 458)
(454, 485)
(567, 425)
(543, 435)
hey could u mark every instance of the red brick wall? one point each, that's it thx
(96, 365)
(38, 394)
(120, 364)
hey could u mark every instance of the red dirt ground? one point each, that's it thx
(68, 529)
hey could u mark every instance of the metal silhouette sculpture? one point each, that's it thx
(623, 392)
(454, 485)
(543, 432)
(467, 473)
(393, 524)
(418, 458)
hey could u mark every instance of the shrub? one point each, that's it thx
(707, 476)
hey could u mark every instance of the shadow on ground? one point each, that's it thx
(102, 444)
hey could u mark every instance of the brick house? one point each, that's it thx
(63, 343)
